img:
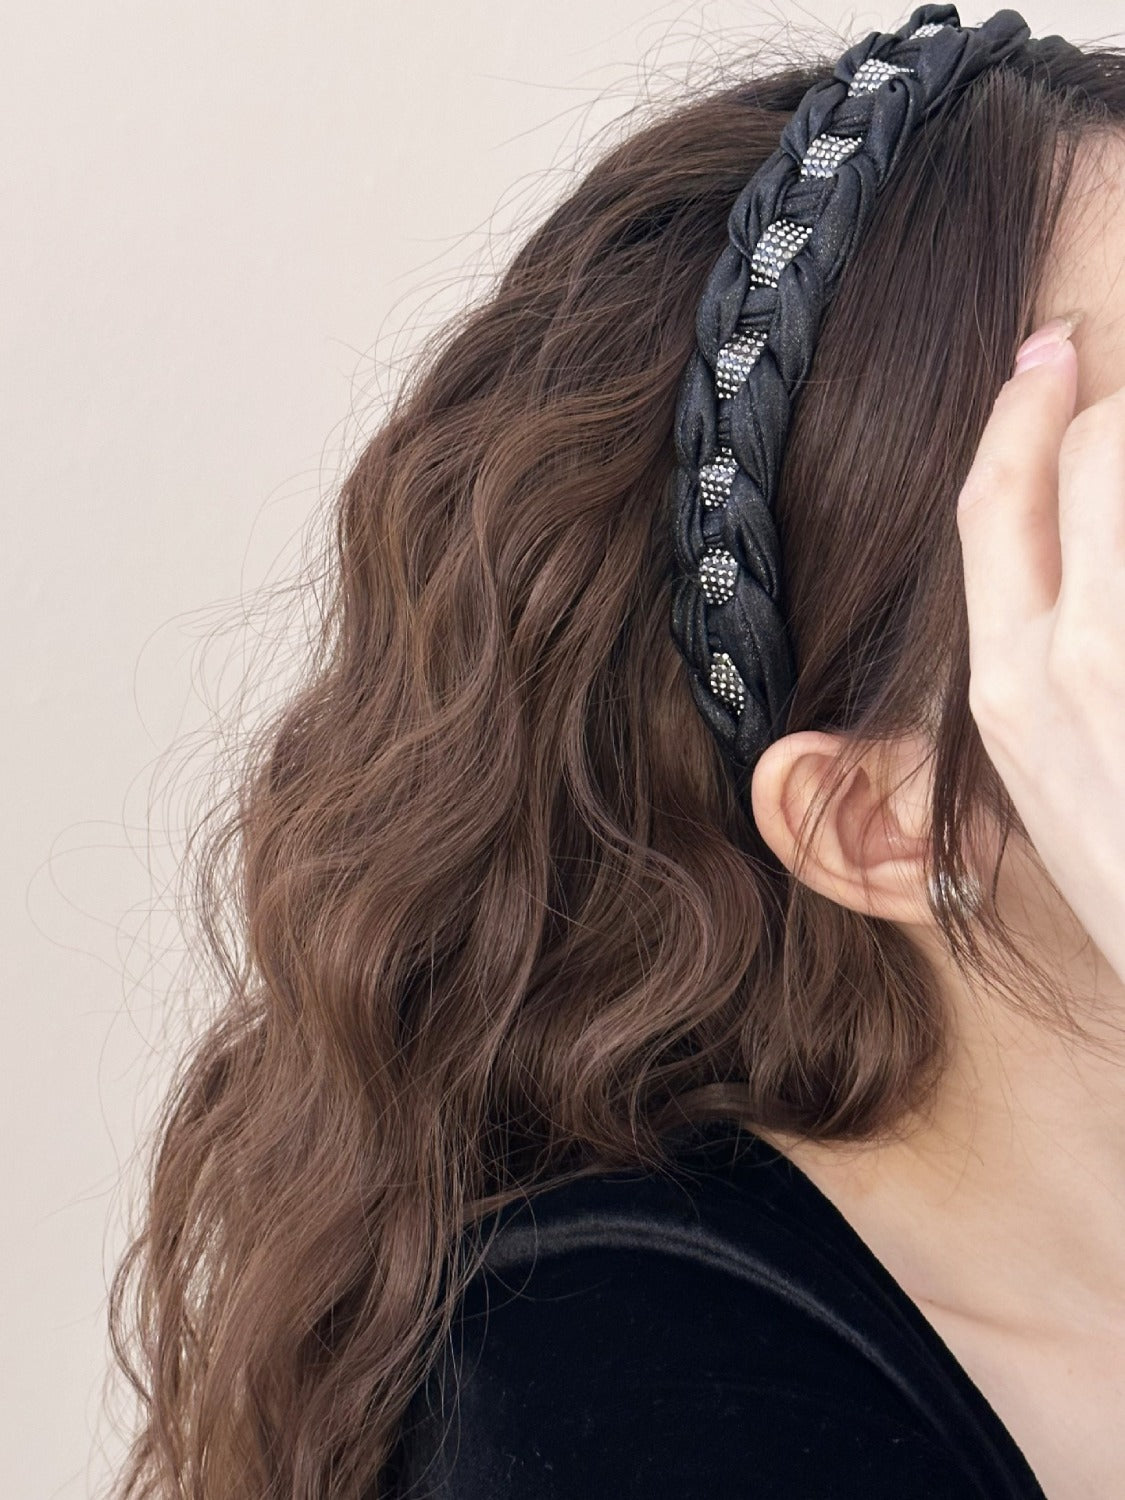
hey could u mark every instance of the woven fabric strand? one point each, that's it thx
(791, 232)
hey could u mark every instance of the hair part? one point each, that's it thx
(489, 906)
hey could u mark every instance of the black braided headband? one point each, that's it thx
(792, 230)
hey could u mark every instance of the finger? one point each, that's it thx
(1092, 509)
(1007, 510)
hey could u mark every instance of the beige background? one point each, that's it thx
(225, 227)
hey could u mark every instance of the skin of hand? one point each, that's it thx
(1041, 518)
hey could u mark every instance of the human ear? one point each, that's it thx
(867, 852)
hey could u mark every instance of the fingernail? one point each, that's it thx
(1045, 342)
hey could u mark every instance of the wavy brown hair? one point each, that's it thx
(490, 907)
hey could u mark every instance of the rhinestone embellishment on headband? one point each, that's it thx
(717, 574)
(776, 248)
(872, 73)
(736, 359)
(716, 478)
(726, 682)
(827, 152)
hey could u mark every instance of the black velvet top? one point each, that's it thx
(721, 1332)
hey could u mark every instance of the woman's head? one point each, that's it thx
(871, 849)
(503, 913)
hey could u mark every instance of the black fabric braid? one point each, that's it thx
(792, 230)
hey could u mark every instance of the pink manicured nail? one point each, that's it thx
(1045, 342)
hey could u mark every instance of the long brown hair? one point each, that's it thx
(488, 904)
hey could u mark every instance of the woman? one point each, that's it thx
(585, 1118)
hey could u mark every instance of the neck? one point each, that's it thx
(1006, 1202)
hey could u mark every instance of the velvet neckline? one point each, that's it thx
(839, 1227)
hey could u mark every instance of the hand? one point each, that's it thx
(1041, 518)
